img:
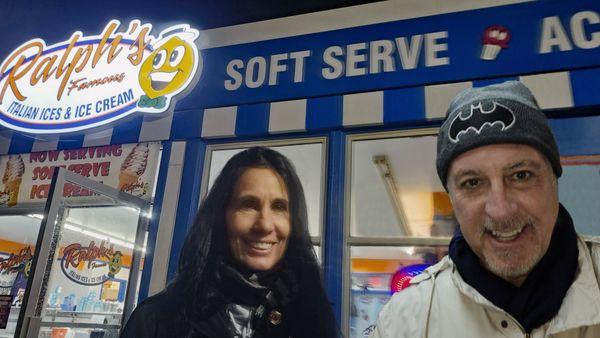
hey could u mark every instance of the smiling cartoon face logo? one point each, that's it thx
(169, 68)
(115, 264)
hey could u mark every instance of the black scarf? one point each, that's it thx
(263, 291)
(539, 298)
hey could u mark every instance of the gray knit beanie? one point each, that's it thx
(499, 113)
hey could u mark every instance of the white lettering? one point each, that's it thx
(553, 35)
(276, 68)
(578, 30)
(381, 53)
(353, 58)
(409, 54)
(236, 78)
(432, 48)
(336, 67)
(256, 65)
(299, 57)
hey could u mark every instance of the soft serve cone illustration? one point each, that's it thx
(133, 166)
(13, 176)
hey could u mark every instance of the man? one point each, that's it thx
(517, 269)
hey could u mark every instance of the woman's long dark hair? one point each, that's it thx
(206, 244)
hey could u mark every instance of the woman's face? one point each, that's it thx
(258, 219)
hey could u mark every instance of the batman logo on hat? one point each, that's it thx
(478, 119)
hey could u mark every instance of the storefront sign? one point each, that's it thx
(92, 264)
(14, 271)
(499, 41)
(16, 262)
(87, 81)
(130, 168)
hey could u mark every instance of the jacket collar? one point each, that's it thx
(240, 289)
(580, 307)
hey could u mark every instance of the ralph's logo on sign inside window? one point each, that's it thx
(87, 81)
(91, 265)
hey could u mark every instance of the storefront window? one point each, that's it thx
(90, 273)
(400, 174)
(400, 219)
(90, 259)
(96, 230)
(579, 191)
(18, 236)
(378, 272)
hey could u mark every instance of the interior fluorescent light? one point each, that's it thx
(385, 169)
(110, 239)
(38, 216)
(72, 227)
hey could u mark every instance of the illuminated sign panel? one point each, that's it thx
(88, 81)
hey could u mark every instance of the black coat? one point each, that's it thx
(298, 296)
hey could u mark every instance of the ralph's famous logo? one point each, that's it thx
(88, 81)
(13, 264)
(92, 264)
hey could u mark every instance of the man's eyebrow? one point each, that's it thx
(524, 163)
(464, 172)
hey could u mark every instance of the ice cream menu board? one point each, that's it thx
(130, 168)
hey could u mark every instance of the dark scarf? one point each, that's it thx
(539, 298)
(266, 292)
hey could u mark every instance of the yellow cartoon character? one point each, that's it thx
(27, 268)
(115, 264)
(170, 67)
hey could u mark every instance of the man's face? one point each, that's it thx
(505, 199)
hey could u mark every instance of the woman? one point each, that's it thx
(247, 267)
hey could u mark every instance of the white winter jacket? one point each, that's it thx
(441, 304)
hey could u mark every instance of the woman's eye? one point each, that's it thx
(280, 206)
(247, 204)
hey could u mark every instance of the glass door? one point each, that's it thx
(86, 274)
(19, 227)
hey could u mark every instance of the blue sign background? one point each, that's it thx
(465, 33)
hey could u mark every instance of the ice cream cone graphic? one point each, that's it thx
(12, 188)
(495, 38)
(13, 176)
(133, 167)
(127, 179)
(489, 51)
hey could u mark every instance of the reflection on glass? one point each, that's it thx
(306, 158)
(372, 279)
(579, 191)
(85, 292)
(18, 235)
(318, 253)
(395, 191)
